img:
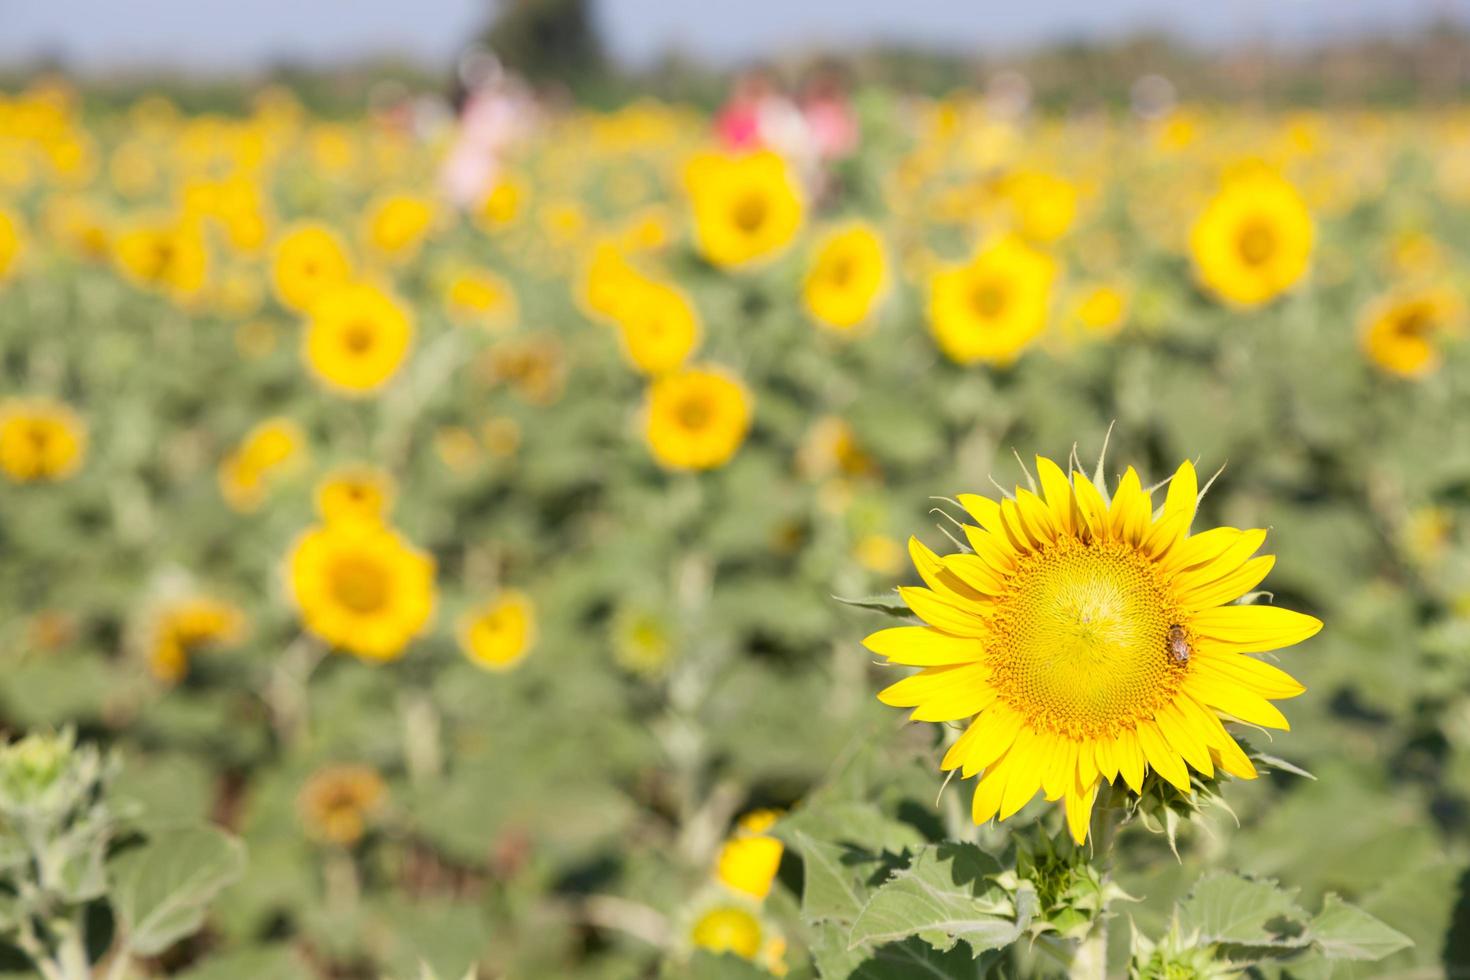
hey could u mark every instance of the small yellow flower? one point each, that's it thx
(357, 337)
(696, 418)
(1043, 205)
(481, 298)
(748, 861)
(456, 448)
(360, 587)
(337, 803)
(270, 450)
(642, 643)
(355, 493)
(535, 366)
(167, 256)
(183, 627)
(746, 208)
(846, 277)
(502, 204)
(1254, 239)
(993, 306)
(658, 325)
(831, 447)
(879, 554)
(40, 440)
(1102, 309)
(607, 281)
(309, 259)
(1401, 333)
(498, 634)
(396, 225)
(728, 929)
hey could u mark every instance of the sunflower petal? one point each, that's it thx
(936, 611)
(1254, 629)
(985, 511)
(1229, 588)
(1183, 495)
(1079, 811)
(1058, 492)
(1235, 700)
(987, 739)
(1161, 757)
(988, 793)
(923, 646)
(1256, 675)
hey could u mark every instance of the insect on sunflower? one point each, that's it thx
(1089, 638)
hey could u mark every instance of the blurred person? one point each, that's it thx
(496, 111)
(831, 122)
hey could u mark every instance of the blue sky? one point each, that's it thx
(243, 34)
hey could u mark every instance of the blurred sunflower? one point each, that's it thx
(1253, 241)
(169, 256)
(481, 298)
(309, 259)
(337, 803)
(354, 493)
(748, 860)
(993, 306)
(658, 325)
(498, 634)
(182, 627)
(41, 440)
(1400, 334)
(273, 448)
(696, 418)
(746, 208)
(730, 928)
(846, 277)
(502, 204)
(11, 243)
(356, 338)
(361, 587)
(396, 225)
(1101, 310)
(1094, 639)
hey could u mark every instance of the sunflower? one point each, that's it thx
(1101, 310)
(273, 448)
(356, 337)
(361, 587)
(1043, 206)
(1254, 239)
(170, 257)
(309, 259)
(354, 493)
(396, 225)
(502, 204)
(337, 803)
(748, 860)
(40, 440)
(481, 298)
(696, 418)
(185, 626)
(11, 243)
(1399, 333)
(658, 325)
(991, 307)
(846, 277)
(1091, 639)
(498, 635)
(746, 208)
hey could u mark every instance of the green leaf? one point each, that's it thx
(164, 887)
(886, 602)
(914, 959)
(832, 887)
(724, 966)
(1346, 932)
(1232, 910)
(946, 893)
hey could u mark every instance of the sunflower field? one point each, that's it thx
(677, 564)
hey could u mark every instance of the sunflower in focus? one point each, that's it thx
(354, 493)
(746, 208)
(308, 260)
(498, 634)
(40, 440)
(1087, 639)
(395, 226)
(361, 587)
(696, 418)
(11, 243)
(658, 325)
(1400, 334)
(357, 336)
(846, 277)
(338, 802)
(1253, 241)
(993, 306)
(185, 626)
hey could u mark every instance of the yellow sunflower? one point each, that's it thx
(696, 418)
(481, 298)
(357, 336)
(1090, 640)
(169, 256)
(498, 635)
(309, 259)
(354, 493)
(1101, 310)
(337, 803)
(396, 225)
(1400, 334)
(748, 860)
(846, 277)
(273, 448)
(993, 306)
(11, 243)
(184, 626)
(40, 440)
(746, 208)
(361, 587)
(1254, 239)
(502, 204)
(658, 325)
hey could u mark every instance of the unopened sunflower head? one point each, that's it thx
(1090, 638)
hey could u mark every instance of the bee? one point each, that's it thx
(1178, 644)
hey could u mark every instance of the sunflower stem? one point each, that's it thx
(1091, 961)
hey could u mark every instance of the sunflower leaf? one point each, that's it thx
(1346, 932)
(1232, 910)
(887, 602)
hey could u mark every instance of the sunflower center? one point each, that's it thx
(749, 213)
(1256, 242)
(841, 271)
(358, 337)
(359, 583)
(695, 412)
(988, 298)
(1081, 643)
(1414, 323)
